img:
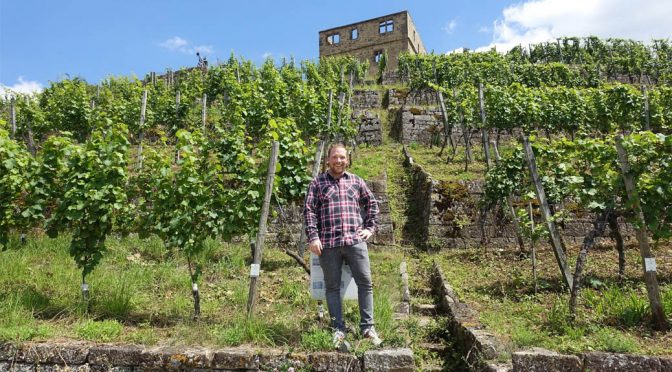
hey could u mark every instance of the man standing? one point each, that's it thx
(340, 213)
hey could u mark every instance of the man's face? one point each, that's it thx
(337, 161)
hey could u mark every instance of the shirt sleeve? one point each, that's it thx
(368, 201)
(310, 212)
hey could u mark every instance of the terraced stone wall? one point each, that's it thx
(447, 215)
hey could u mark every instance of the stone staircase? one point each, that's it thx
(432, 345)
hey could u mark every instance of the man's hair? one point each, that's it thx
(335, 145)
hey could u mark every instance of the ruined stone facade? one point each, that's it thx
(367, 40)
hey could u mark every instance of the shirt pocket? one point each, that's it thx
(353, 193)
(327, 193)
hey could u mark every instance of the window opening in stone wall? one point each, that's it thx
(354, 34)
(377, 55)
(334, 39)
(387, 26)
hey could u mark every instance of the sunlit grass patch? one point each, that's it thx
(140, 295)
(610, 316)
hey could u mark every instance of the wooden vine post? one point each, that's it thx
(447, 129)
(327, 137)
(317, 165)
(204, 111)
(533, 249)
(255, 268)
(12, 117)
(466, 134)
(647, 111)
(29, 130)
(484, 130)
(178, 98)
(141, 136)
(648, 261)
(546, 214)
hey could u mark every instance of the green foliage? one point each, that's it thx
(95, 193)
(316, 340)
(15, 163)
(182, 200)
(614, 341)
(120, 100)
(100, 331)
(67, 107)
(47, 182)
(621, 307)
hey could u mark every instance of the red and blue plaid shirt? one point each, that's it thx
(336, 209)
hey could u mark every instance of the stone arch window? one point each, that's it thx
(354, 34)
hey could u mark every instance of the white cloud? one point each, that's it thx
(22, 87)
(266, 55)
(456, 51)
(203, 49)
(174, 44)
(450, 26)
(535, 21)
(178, 44)
(484, 29)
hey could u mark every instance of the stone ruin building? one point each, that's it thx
(368, 40)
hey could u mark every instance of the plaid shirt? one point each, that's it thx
(333, 210)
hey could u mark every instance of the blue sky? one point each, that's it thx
(42, 41)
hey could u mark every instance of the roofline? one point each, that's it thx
(368, 20)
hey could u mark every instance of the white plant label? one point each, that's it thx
(650, 264)
(194, 287)
(254, 270)
(85, 287)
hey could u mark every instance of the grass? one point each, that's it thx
(373, 162)
(141, 293)
(612, 317)
(443, 169)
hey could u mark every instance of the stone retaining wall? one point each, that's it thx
(476, 345)
(447, 216)
(405, 97)
(424, 125)
(538, 359)
(366, 100)
(480, 348)
(82, 356)
(370, 131)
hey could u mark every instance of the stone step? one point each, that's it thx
(431, 367)
(421, 292)
(425, 309)
(424, 321)
(433, 347)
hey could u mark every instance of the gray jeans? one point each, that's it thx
(357, 257)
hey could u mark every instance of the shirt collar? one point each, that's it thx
(346, 174)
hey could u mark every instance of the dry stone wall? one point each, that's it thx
(424, 125)
(370, 131)
(366, 105)
(448, 216)
(404, 97)
(480, 348)
(89, 357)
(366, 99)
